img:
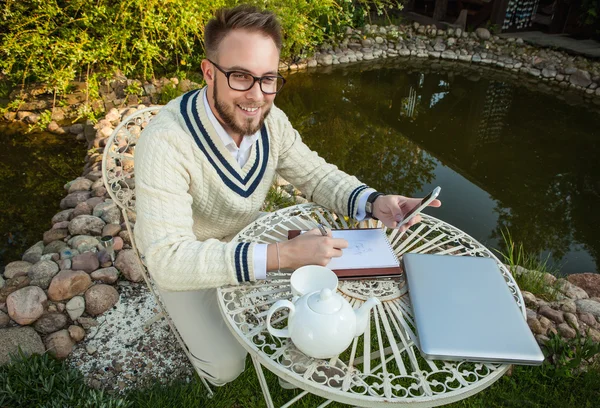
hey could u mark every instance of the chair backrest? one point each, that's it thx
(117, 160)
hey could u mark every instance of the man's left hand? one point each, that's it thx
(391, 210)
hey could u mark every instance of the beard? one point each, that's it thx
(227, 114)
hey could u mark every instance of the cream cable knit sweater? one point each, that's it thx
(192, 197)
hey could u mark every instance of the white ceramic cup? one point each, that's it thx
(310, 278)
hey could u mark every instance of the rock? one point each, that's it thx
(76, 332)
(129, 265)
(64, 215)
(571, 320)
(16, 268)
(13, 338)
(536, 326)
(549, 72)
(554, 315)
(83, 243)
(88, 262)
(68, 253)
(50, 322)
(449, 55)
(549, 279)
(594, 334)
(12, 285)
(483, 33)
(105, 258)
(79, 184)
(94, 201)
(124, 235)
(67, 284)
(570, 290)
(590, 282)
(99, 298)
(55, 247)
(529, 298)
(118, 243)
(59, 344)
(34, 253)
(41, 273)
(566, 331)
(90, 349)
(4, 319)
(61, 225)
(76, 128)
(75, 307)
(111, 229)
(439, 45)
(106, 275)
(588, 306)
(82, 209)
(26, 305)
(587, 318)
(580, 78)
(568, 305)
(86, 225)
(108, 212)
(71, 200)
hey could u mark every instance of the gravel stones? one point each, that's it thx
(64, 215)
(55, 234)
(483, 33)
(26, 305)
(99, 298)
(108, 212)
(24, 338)
(67, 284)
(76, 332)
(580, 78)
(79, 184)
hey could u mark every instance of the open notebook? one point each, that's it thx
(369, 254)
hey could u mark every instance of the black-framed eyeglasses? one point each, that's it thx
(242, 81)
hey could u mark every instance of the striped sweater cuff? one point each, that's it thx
(352, 200)
(242, 262)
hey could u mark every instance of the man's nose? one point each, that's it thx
(255, 92)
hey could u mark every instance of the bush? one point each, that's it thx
(53, 41)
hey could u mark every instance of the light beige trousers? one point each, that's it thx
(216, 354)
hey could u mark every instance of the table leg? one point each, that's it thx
(263, 382)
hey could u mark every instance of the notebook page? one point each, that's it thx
(367, 248)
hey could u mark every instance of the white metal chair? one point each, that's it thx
(119, 180)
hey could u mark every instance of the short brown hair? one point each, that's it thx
(240, 17)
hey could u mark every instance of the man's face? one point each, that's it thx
(242, 112)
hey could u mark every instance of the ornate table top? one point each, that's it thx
(383, 367)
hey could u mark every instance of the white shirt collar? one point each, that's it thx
(227, 140)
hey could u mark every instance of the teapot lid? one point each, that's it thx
(324, 302)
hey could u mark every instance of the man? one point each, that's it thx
(203, 169)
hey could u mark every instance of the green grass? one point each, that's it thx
(533, 279)
(41, 381)
(277, 199)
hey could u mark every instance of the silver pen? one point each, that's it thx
(322, 228)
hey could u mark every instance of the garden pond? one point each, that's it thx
(505, 156)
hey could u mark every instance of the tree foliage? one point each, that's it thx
(54, 41)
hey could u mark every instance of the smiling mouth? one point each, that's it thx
(248, 109)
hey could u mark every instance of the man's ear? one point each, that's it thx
(207, 70)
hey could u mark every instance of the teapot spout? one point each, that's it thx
(363, 314)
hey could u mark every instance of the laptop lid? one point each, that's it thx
(464, 310)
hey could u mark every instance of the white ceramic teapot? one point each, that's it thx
(322, 324)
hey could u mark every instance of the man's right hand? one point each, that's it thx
(310, 248)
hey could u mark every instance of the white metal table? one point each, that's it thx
(381, 368)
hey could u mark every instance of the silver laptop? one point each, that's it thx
(464, 310)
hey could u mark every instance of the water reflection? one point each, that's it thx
(506, 157)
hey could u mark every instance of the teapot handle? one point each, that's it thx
(279, 305)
